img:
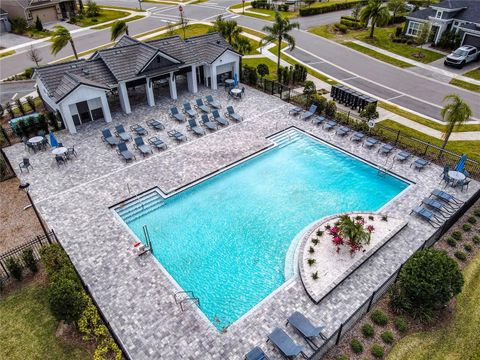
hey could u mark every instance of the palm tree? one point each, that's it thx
(60, 38)
(118, 28)
(279, 32)
(242, 45)
(375, 12)
(229, 29)
(455, 113)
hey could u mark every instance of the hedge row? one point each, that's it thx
(309, 11)
(351, 24)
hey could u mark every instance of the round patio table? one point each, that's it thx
(236, 91)
(229, 81)
(35, 140)
(59, 151)
(456, 177)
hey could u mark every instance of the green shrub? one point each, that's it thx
(311, 261)
(472, 220)
(476, 239)
(53, 258)
(342, 357)
(401, 324)
(355, 25)
(342, 28)
(29, 260)
(19, 25)
(460, 255)
(331, 108)
(468, 247)
(387, 337)
(66, 300)
(457, 235)
(14, 268)
(476, 212)
(379, 317)
(309, 11)
(452, 242)
(377, 351)
(356, 346)
(368, 331)
(466, 227)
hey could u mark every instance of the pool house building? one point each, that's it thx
(83, 90)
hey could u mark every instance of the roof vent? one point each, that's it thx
(218, 42)
(85, 71)
(73, 66)
(118, 52)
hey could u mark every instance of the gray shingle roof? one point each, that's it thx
(470, 9)
(422, 14)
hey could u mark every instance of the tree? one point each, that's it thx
(309, 88)
(228, 29)
(455, 112)
(119, 27)
(356, 10)
(279, 32)
(331, 109)
(242, 45)
(34, 55)
(369, 112)
(60, 38)
(396, 6)
(93, 10)
(38, 24)
(376, 13)
(66, 299)
(80, 5)
(422, 37)
(427, 281)
(263, 70)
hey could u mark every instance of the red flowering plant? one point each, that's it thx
(352, 233)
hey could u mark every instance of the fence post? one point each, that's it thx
(339, 334)
(398, 136)
(371, 301)
(426, 149)
(4, 270)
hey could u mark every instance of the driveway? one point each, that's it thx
(439, 64)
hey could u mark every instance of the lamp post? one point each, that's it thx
(140, 4)
(243, 6)
(180, 9)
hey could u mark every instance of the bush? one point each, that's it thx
(355, 25)
(377, 351)
(460, 255)
(468, 247)
(472, 220)
(368, 331)
(263, 70)
(398, 31)
(93, 10)
(401, 324)
(356, 346)
(309, 11)
(14, 268)
(29, 260)
(53, 258)
(396, 19)
(452, 242)
(387, 337)
(309, 88)
(379, 317)
(476, 239)
(331, 108)
(342, 28)
(19, 25)
(466, 227)
(38, 24)
(476, 212)
(369, 112)
(457, 235)
(427, 281)
(66, 300)
(342, 357)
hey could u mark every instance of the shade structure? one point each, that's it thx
(461, 163)
(53, 140)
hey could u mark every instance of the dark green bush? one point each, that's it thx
(460, 255)
(355, 25)
(379, 317)
(476, 212)
(401, 324)
(19, 25)
(53, 258)
(476, 239)
(452, 242)
(342, 28)
(14, 268)
(29, 260)
(66, 300)
(377, 351)
(387, 337)
(472, 220)
(457, 235)
(466, 227)
(356, 346)
(368, 331)
(331, 108)
(468, 247)
(342, 357)
(309, 11)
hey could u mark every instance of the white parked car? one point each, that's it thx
(463, 55)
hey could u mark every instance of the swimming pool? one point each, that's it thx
(226, 238)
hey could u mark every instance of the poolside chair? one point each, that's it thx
(419, 164)
(437, 206)
(451, 200)
(463, 183)
(445, 176)
(256, 354)
(187, 108)
(60, 160)
(403, 155)
(176, 114)
(192, 125)
(157, 143)
(284, 343)
(122, 149)
(208, 123)
(305, 328)
(139, 129)
(141, 146)
(200, 105)
(232, 114)
(343, 131)
(370, 142)
(317, 120)
(109, 138)
(219, 118)
(329, 125)
(308, 114)
(357, 137)
(386, 149)
(71, 152)
(155, 124)
(212, 102)
(25, 164)
(428, 216)
(295, 111)
(177, 135)
(121, 133)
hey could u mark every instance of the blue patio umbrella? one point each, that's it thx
(53, 140)
(235, 80)
(461, 163)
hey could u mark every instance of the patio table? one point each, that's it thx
(35, 140)
(229, 81)
(59, 151)
(456, 176)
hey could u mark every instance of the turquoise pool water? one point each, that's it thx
(226, 238)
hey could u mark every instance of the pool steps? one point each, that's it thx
(286, 138)
(141, 206)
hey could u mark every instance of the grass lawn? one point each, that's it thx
(190, 30)
(105, 15)
(239, 5)
(471, 148)
(270, 14)
(28, 328)
(474, 74)
(7, 53)
(457, 340)
(254, 62)
(127, 8)
(465, 85)
(377, 55)
(253, 32)
(105, 26)
(327, 3)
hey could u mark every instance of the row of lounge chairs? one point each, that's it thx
(189, 111)
(437, 208)
(217, 117)
(285, 344)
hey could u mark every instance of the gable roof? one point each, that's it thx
(422, 14)
(466, 10)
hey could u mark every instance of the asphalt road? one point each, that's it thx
(403, 87)
(11, 90)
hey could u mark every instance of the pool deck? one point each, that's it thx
(133, 293)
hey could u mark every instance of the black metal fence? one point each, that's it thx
(367, 305)
(35, 244)
(6, 170)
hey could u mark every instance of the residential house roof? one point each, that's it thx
(422, 14)
(466, 10)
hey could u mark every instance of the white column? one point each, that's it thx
(192, 80)
(172, 84)
(205, 74)
(67, 118)
(237, 69)
(106, 108)
(123, 95)
(149, 90)
(213, 75)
